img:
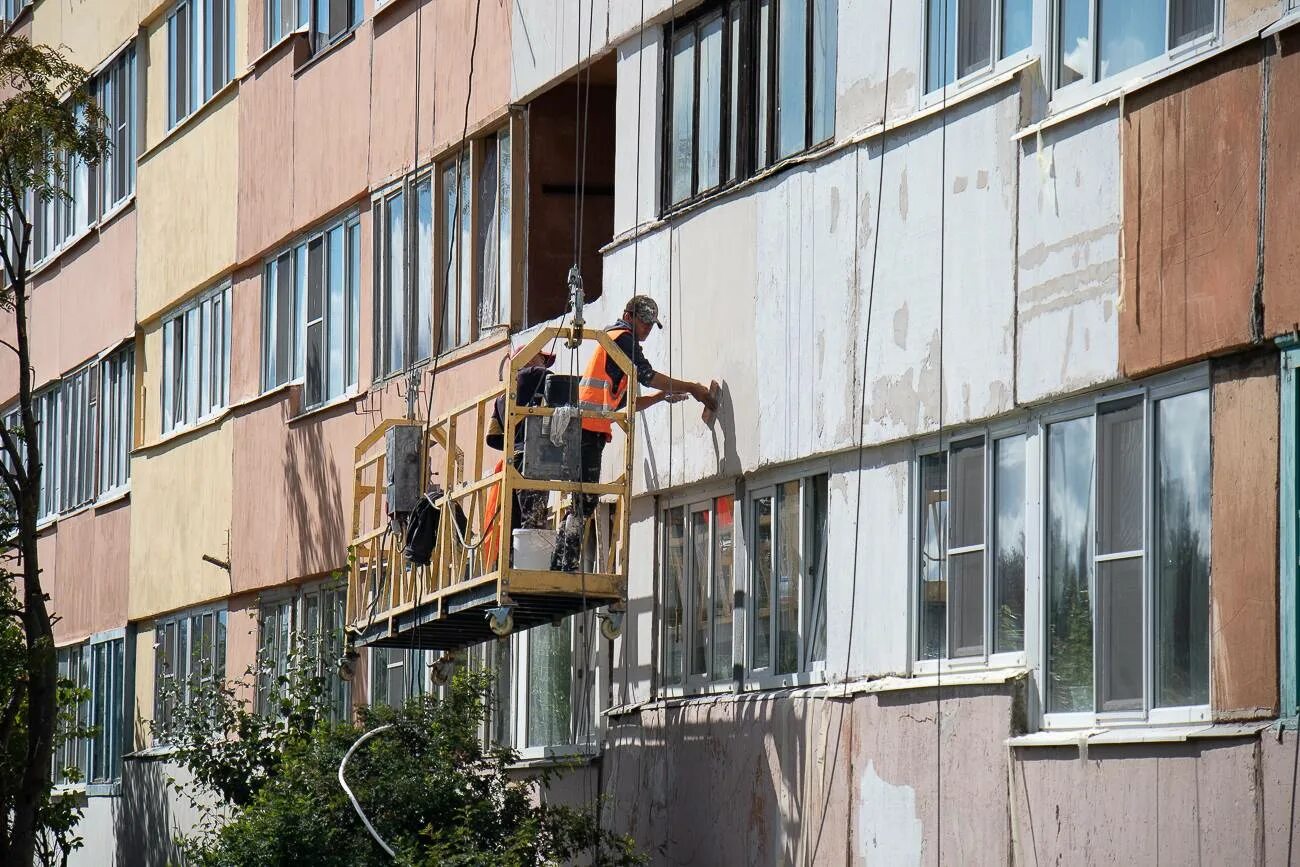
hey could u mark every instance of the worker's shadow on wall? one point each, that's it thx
(724, 425)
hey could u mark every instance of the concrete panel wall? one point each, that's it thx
(88, 584)
(80, 305)
(87, 31)
(266, 151)
(186, 242)
(1191, 214)
(181, 510)
(1067, 293)
(1243, 544)
(551, 37)
(329, 151)
(790, 779)
(1181, 803)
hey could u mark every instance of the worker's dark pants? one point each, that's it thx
(568, 544)
(530, 506)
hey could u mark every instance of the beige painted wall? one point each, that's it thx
(181, 511)
(88, 31)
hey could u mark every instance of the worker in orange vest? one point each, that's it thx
(603, 388)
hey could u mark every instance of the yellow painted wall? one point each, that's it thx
(180, 496)
(142, 707)
(89, 31)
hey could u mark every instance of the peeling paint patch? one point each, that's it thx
(959, 184)
(902, 194)
(889, 830)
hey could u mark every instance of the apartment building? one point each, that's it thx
(990, 554)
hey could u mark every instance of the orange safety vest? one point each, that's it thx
(596, 391)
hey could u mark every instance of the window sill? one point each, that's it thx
(762, 683)
(971, 86)
(273, 53)
(935, 680)
(948, 668)
(1135, 734)
(546, 757)
(112, 497)
(498, 336)
(208, 107)
(1289, 19)
(1103, 94)
(158, 751)
(348, 397)
(319, 56)
(183, 431)
(384, 7)
(698, 690)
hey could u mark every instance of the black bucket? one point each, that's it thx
(561, 390)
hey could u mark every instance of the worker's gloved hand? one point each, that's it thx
(703, 394)
(676, 396)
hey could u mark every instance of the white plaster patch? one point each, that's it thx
(889, 831)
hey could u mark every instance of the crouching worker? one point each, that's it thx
(529, 507)
(604, 388)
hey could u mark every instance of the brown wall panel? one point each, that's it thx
(266, 146)
(1191, 214)
(1243, 545)
(1282, 225)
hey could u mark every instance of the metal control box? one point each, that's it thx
(543, 459)
(402, 483)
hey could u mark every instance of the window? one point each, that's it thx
(964, 37)
(325, 20)
(312, 621)
(1096, 39)
(46, 409)
(78, 429)
(403, 331)
(114, 90)
(788, 577)
(1127, 556)
(746, 84)
(116, 402)
(698, 592)
(545, 696)
(311, 305)
(471, 262)
(960, 542)
(475, 266)
(97, 667)
(84, 430)
(397, 674)
(189, 655)
(196, 360)
(62, 218)
(11, 9)
(200, 54)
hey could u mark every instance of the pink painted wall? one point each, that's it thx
(88, 577)
(410, 124)
(81, 304)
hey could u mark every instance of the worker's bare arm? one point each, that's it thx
(696, 390)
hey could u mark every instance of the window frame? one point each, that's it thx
(294, 602)
(307, 24)
(997, 64)
(298, 256)
(988, 435)
(115, 707)
(754, 125)
(704, 500)
(219, 651)
(520, 681)
(1065, 95)
(761, 486)
(1177, 383)
(170, 423)
(203, 79)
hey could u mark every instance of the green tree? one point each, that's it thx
(46, 116)
(429, 784)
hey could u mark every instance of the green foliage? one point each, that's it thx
(428, 783)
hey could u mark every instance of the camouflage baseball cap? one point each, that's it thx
(644, 309)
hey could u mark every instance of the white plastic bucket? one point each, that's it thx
(532, 549)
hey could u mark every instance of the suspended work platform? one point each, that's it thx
(472, 589)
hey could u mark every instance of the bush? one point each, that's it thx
(429, 785)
